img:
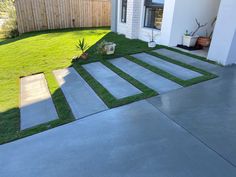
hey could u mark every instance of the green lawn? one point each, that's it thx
(46, 51)
(32, 53)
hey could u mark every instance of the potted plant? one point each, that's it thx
(110, 48)
(107, 48)
(205, 41)
(83, 46)
(190, 39)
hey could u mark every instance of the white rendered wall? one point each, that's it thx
(223, 46)
(121, 27)
(146, 33)
(131, 28)
(186, 11)
(179, 16)
(167, 22)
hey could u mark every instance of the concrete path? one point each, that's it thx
(175, 70)
(188, 60)
(36, 105)
(150, 79)
(82, 99)
(207, 111)
(135, 140)
(116, 85)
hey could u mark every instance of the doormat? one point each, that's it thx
(190, 48)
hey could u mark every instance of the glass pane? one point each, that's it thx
(123, 16)
(158, 1)
(158, 18)
(153, 17)
(148, 19)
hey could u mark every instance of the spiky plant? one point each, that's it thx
(82, 45)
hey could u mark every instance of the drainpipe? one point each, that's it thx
(114, 15)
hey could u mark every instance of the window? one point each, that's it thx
(153, 13)
(123, 11)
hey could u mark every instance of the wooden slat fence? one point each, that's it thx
(36, 15)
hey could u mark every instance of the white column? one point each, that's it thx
(133, 18)
(167, 21)
(223, 46)
(114, 5)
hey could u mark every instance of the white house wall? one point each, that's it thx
(179, 15)
(134, 27)
(167, 22)
(223, 46)
(146, 33)
(185, 12)
(121, 27)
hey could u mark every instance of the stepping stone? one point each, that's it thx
(187, 59)
(143, 75)
(175, 70)
(36, 105)
(82, 99)
(116, 85)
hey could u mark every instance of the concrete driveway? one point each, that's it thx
(185, 133)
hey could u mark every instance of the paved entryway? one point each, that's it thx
(36, 105)
(135, 140)
(83, 101)
(152, 80)
(81, 98)
(187, 132)
(207, 111)
(117, 86)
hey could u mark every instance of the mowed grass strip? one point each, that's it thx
(105, 95)
(146, 91)
(185, 83)
(50, 50)
(206, 75)
(63, 110)
(34, 53)
(188, 54)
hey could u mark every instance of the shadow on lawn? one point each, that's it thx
(10, 120)
(57, 32)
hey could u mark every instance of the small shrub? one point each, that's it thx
(9, 27)
(101, 50)
(83, 46)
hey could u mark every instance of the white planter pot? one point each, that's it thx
(190, 41)
(110, 48)
(152, 44)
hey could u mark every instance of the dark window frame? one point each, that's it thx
(148, 4)
(123, 11)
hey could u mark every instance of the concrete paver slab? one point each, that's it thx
(116, 85)
(36, 105)
(135, 140)
(82, 100)
(188, 60)
(150, 79)
(175, 70)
